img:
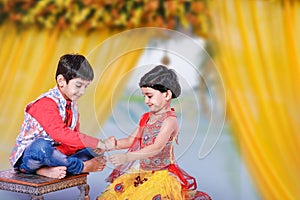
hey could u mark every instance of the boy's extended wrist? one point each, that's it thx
(108, 144)
(101, 144)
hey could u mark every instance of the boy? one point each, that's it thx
(50, 142)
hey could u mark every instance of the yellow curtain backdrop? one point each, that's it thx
(257, 51)
(29, 58)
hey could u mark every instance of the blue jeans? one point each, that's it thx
(41, 153)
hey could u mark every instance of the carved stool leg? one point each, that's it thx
(35, 197)
(84, 192)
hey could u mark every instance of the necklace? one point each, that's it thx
(154, 117)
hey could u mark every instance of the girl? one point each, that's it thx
(158, 177)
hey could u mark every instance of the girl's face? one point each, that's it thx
(157, 101)
(74, 89)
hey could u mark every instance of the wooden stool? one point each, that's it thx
(37, 186)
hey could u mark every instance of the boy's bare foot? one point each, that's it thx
(96, 164)
(53, 172)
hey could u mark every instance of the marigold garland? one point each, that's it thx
(95, 14)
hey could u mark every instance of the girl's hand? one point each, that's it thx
(118, 159)
(98, 151)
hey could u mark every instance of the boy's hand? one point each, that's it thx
(110, 143)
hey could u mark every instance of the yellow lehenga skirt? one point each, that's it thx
(144, 185)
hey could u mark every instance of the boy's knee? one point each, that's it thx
(43, 146)
(42, 143)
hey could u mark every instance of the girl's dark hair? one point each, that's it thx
(162, 78)
(74, 66)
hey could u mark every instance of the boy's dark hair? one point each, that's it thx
(74, 66)
(162, 79)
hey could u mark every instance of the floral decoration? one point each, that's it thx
(95, 14)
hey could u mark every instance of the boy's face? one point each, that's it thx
(74, 89)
